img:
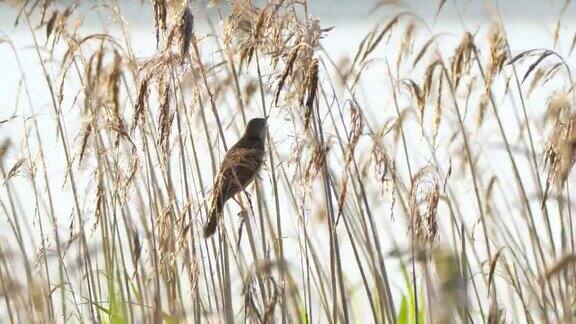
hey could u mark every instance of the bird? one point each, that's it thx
(238, 169)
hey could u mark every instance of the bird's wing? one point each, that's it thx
(238, 169)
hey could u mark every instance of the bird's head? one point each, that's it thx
(256, 128)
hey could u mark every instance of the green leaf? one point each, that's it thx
(403, 314)
(116, 316)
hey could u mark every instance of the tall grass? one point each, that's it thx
(450, 201)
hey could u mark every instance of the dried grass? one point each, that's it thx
(147, 134)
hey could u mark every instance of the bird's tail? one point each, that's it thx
(212, 223)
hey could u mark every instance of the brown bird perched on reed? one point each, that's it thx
(240, 166)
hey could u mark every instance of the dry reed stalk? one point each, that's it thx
(461, 59)
(424, 196)
(560, 152)
(353, 138)
(149, 210)
(498, 54)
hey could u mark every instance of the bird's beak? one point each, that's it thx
(266, 118)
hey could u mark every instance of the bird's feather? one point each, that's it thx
(239, 168)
